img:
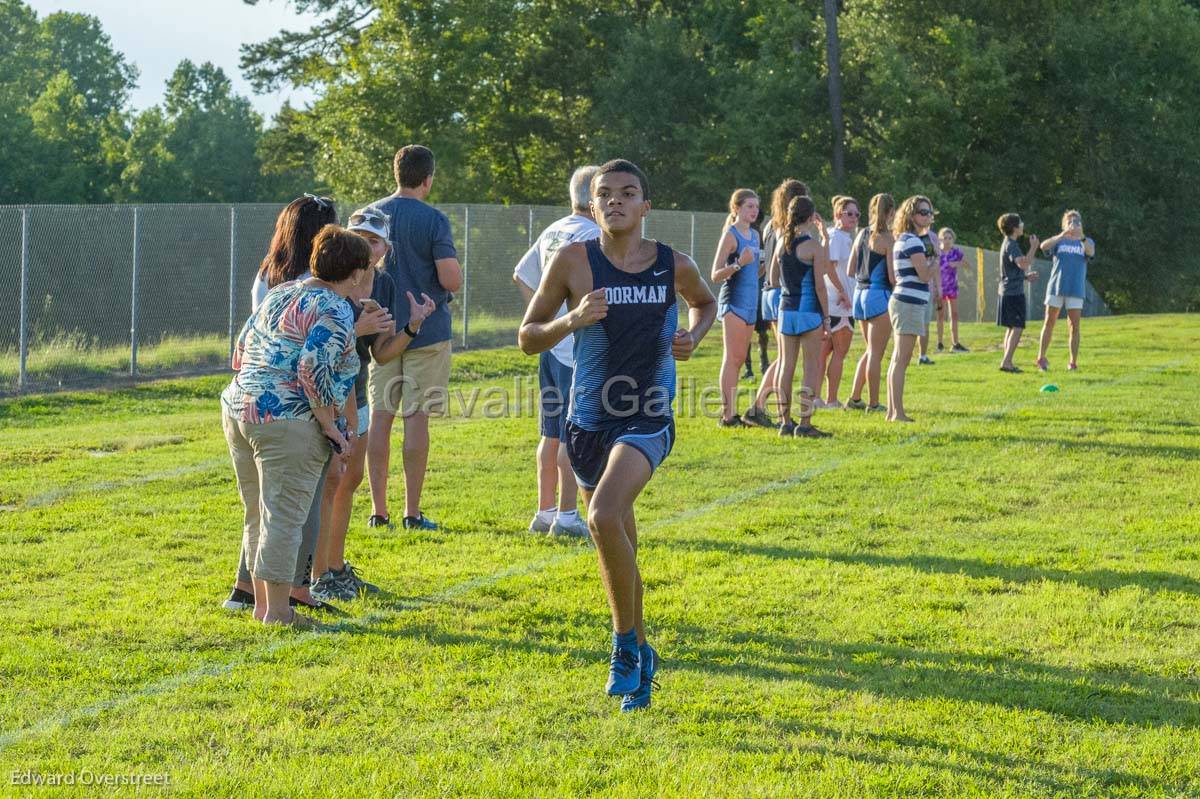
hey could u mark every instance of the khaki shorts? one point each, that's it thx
(907, 319)
(417, 381)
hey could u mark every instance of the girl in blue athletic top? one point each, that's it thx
(735, 267)
(1067, 286)
(801, 266)
(871, 265)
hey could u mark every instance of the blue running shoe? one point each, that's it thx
(624, 670)
(640, 699)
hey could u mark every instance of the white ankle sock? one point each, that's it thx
(546, 516)
(568, 515)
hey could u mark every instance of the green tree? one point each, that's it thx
(62, 94)
(200, 146)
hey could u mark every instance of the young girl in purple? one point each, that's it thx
(951, 261)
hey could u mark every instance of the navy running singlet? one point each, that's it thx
(624, 370)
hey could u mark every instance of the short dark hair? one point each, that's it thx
(337, 254)
(414, 163)
(1008, 223)
(627, 167)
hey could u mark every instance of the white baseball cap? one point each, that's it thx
(371, 220)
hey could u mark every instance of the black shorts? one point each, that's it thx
(836, 323)
(1011, 311)
(589, 449)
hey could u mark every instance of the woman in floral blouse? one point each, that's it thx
(296, 364)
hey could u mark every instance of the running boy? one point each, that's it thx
(620, 290)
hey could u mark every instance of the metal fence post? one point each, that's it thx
(232, 274)
(22, 377)
(466, 273)
(133, 298)
(692, 251)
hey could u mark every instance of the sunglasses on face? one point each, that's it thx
(850, 213)
(924, 212)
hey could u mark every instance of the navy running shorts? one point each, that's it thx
(589, 449)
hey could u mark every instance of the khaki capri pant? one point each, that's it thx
(278, 465)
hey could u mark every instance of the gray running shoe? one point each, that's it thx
(573, 529)
(328, 587)
(349, 576)
(539, 526)
(855, 405)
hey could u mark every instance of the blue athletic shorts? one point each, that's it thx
(554, 396)
(795, 323)
(770, 304)
(589, 449)
(869, 303)
(748, 315)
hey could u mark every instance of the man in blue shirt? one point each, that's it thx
(415, 385)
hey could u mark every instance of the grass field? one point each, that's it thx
(1001, 600)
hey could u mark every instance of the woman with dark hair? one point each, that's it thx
(801, 265)
(296, 366)
(735, 267)
(291, 246)
(784, 193)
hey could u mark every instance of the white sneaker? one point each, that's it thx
(835, 405)
(819, 403)
(539, 526)
(576, 528)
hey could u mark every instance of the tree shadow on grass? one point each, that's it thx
(1080, 445)
(889, 751)
(1102, 580)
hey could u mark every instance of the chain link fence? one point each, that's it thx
(109, 294)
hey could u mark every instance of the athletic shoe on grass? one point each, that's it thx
(539, 526)
(419, 522)
(239, 600)
(624, 671)
(758, 416)
(381, 521)
(576, 528)
(328, 588)
(855, 405)
(640, 699)
(349, 576)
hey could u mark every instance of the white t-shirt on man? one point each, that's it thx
(567, 230)
(840, 243)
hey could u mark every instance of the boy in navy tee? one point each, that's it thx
(621, 292)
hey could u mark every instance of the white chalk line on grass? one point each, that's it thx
(54, 495)
(202, 671)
